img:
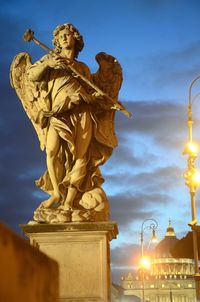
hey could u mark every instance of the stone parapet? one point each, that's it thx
(26, 273)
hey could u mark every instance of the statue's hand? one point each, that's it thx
(97, 95)
(57, 62)
(116, 106)
(92, 98)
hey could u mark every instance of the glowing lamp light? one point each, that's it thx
(196, 178)
(191, 148)
(145, 263)
(154, 238)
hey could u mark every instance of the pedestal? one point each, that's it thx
(83, 253)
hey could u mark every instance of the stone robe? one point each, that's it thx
(86, 130)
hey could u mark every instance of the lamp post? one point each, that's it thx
(147, 224)
(170, 290)
(170, 295)
(192, 179)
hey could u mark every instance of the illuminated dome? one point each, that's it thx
(164, 264)
(163, 249)
(166, 275)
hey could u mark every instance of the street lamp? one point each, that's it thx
(192, 179)
(170, 295)
(147, 224)
(170, 290)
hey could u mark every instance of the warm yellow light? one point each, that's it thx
(192, 147)
(145, 263)
(154, 238)
(196, 178)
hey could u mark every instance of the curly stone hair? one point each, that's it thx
(79, 43)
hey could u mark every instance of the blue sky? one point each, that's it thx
(157, 43)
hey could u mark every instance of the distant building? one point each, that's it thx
(116, 293)
(169, 279)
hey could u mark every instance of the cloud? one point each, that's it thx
(17, 200)
(164, 73)
(124, 259)
(167, 178)
(128, 208)
(164, 178)
(150, 146)
(163, 121)
(126, 255)
(21, 162)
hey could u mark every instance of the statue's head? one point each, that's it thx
(79, 43)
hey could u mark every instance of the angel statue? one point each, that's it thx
(72, 112)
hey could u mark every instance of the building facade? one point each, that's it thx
(168, 280)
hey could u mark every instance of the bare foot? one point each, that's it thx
(53, 199)
(65, 207)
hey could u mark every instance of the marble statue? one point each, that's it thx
(73, 113)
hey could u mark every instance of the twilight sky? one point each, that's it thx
(157, 43)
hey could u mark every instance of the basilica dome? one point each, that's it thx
(163, 249)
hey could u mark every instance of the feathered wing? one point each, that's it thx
(109, 79)
(109, 75)
(26, 92)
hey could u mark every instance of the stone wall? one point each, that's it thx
(26, 274)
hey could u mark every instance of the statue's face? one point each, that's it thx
(66, 39)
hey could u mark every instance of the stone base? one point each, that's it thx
(90, 206)
(83, 253)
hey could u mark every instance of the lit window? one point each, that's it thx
(190, 285)
(152, 285)
(178, 285)
(163, 285)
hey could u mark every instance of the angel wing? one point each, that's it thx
(109, 76)
(109, 79)
(26, 92)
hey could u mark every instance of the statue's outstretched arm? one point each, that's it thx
(36, 71)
